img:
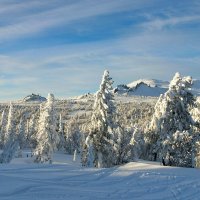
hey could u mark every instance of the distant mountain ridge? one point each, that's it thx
(149, 82)
(34, 97)
(150, 87)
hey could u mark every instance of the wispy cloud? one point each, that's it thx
(162, 23)
(128, 58)
(149, 43)
(19, 7)
(65, 13)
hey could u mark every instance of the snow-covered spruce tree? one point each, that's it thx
(47, 138)
(21, 136)
(197, 154)
(72, 137)
(32, 132)
(196, 138)
(182, 147)
(10, 124)
(137, 143)
(100, 137)
(88, 160)
(171, 126)
(61, 134)
(124, 144)
(11, 142)
(2, 129)
(152, 132)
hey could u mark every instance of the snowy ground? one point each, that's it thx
(65, 179)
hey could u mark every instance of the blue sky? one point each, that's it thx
(63, 46)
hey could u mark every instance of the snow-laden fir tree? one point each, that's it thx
(197, 154)
(137, 143)
(195, 112)
(171, 125)
(10, 127)
(32, 132)
(88, 160)
(196, 137)
(21, 135)
(2, 129)
(72, 137)
(182, 149)
(123, 147)
(47, 136)
(11, 142)
(61, 134)
(100, 137)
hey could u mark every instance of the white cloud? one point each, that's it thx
(12, 64)
(73, 69)
(63, 14)
(19, 6)
(159, 23)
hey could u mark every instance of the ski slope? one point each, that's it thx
(65, 179)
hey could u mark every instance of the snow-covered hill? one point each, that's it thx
(65, 179)
(150, 83)
(150, 87)
(34, 97)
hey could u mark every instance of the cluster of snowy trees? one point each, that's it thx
(173, 132)
(39, 129)
(172, 135)
(110, 133)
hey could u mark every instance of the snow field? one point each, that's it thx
(65, 179)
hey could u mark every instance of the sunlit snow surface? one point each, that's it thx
(65, 179)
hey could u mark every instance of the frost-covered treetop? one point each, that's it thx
(180, 84)
(104, 96)
(106, 82)
(175, 81)
(50, 101)
(9, 128)
(10, 109)
(50, 98)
